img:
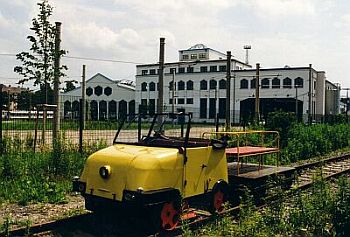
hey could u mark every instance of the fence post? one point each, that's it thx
(81, 125)
(1, 108)
(217, 122)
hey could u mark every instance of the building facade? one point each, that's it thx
(332, 98)
(105, 99)
(199, 74)
(197, 84)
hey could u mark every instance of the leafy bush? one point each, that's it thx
(305, 142)
(281, 122)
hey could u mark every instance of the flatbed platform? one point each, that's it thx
(256, 171)
(249, 150)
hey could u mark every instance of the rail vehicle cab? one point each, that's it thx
(154, 166)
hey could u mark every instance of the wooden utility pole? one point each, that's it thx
(228, 91)
(83, 93)
(1, 109)
(257, 93)
(160, 76)
(310, 95)
(56, 120)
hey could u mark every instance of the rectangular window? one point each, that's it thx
(222, 108)
(172, 70)
(204, 69)
(170, 101)
(189, 69)
(143, 106)
(181, 101)
(222, 68)
(212, 108)
(193, 56)
(152, 71)
(144, 72)
(202, 56)
(203, 108)
(189, 101)
(181, 70)
(213, 68)
(185, 57)
(152, 106)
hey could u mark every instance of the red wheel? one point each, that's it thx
(170, 216)
(218, 201)
(218, 198)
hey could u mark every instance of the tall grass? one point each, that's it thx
(44, 176)
(305, 142)
(323, 211)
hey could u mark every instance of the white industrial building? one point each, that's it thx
(105, 99)
(200, 87)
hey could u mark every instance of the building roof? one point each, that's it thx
(190, 62)
(123, 83)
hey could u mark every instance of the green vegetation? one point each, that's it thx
(41, 177)
(322, 211)
(305, 142)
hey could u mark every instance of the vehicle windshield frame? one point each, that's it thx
(185, 125)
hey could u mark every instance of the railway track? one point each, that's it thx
(329, 168)
(92, 225)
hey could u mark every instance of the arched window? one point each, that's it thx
(222, 84)
(287, 82)
(276, 83)
(212, 84)
(103, 110)
(132, 108)
(189, 85)
(67, 109)
(244, 84)
(76, 109)
(181, 85)
(112, 109)
(93, 109)
(123, 109)
(204, 85)
(253, 83)
(143, 86)
(299, 82)
(152, 86)
(265, 83)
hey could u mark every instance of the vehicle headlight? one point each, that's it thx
(105, 171)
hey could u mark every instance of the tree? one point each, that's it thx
(69, 86)
(38, 63)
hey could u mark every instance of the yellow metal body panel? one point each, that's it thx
(151, 168)
(205, 166)
(154, 168)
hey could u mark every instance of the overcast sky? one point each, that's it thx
(281, 32)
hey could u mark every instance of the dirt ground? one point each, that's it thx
(38, 213)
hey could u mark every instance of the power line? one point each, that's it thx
(8, 54)
(102, 60)
(84, 58)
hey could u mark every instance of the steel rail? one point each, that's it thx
(204, 217)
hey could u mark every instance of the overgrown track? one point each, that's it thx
(92, 225)
(330, 167)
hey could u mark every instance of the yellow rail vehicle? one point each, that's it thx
(159, 169)
(156, 173)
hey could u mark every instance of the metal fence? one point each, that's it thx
(81, 127)
(34, 129)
